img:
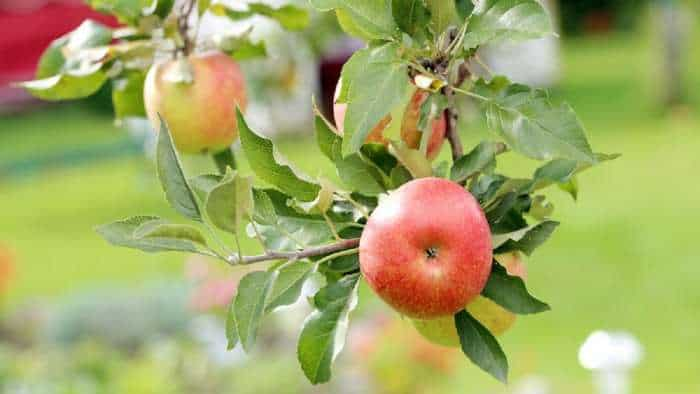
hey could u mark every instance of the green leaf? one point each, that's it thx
(292, 229)
(540, 208)
(354, 171)
(203, 6)
(126, 11)
(359, 175)
(266, 164)
(556, 171)
(287, 287)
(411, 16)
(249, 305)
(413, 160)
(479, 159)
(161, 8)
(374, 82)
(230, 202)
(264, 210)
(289, 16)
(325, 5)
(202, 184)
(153, 234)
(563, 172)
(510, 292)
(498, 20)
(55, 59)
(464, 8)
(71, 67)
(480, 346)
(399, 176)
(231, 329)
(323, 335)
(224, 160)
(322, 202)
(66, 86)
(443, 14)
(366, 19)
(172, 178)
(327, 138)
(525, 240)
(239, 46)
(343, 264)
(379, 156)
(532, 126)
(127, 95)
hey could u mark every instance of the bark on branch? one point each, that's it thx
(301, 254)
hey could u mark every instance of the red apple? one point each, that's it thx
(409, 127)
(200, 113)
(426, 249)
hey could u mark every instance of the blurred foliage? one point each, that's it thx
(580, 16)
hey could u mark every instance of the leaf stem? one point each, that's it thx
(331, 226)
(343, 245)
(257, 233)
(338, 254)
(470, 94)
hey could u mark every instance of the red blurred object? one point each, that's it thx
(6, 268)
(27, 27)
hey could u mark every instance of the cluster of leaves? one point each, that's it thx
(79, 63)
(310, 227)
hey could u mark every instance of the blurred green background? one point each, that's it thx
(625, 257)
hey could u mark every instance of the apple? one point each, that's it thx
(494, 317)
(201, 112)
(426, 248)
(410, 133)
(409, 124)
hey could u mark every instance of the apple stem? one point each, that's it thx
(301, 254)
(183, 25)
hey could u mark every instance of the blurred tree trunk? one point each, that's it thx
(672, 32)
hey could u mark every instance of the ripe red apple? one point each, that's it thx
(426, 249)
(409, 125)
(494, 317)
(200, 113)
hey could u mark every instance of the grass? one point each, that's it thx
(625, 257)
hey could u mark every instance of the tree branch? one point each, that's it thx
(451, 133)
(301, 254)
(183, 25)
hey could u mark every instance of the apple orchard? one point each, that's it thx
(443, 244)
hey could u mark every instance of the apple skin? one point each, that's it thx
(201, 115)
(424, 217)
(494, 317)
(409, 125)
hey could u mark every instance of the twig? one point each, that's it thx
(483, 65)
(301, 254)
(183, 25)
